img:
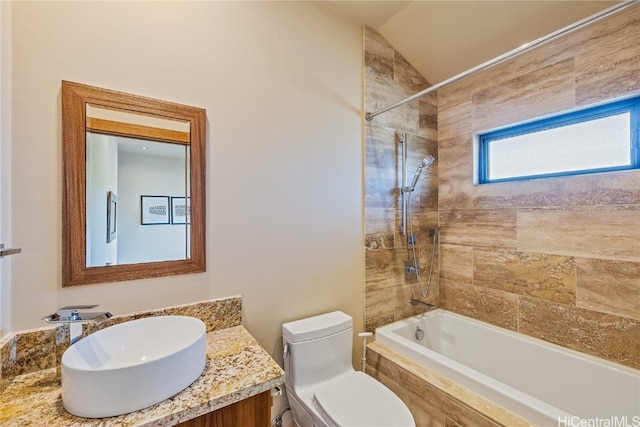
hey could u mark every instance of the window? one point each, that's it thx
(598, 139)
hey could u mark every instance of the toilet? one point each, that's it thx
(322, 387)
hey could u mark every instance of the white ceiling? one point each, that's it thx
(444, 38)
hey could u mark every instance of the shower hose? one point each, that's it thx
(423, 293)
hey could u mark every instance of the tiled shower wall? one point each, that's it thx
(557, 258)
(389, 78)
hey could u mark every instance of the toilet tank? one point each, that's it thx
(317, 348)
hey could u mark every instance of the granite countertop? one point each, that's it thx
(237, 368)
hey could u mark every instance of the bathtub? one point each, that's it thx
(544, 383)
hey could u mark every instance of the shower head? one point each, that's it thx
(426, 162)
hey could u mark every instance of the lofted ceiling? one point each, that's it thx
(444, 38)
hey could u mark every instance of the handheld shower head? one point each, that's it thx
(426, 162)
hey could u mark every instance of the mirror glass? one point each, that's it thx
(148, 178)
(141, 161)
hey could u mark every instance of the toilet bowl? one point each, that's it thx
(322, 387)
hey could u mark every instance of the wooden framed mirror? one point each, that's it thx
(133, 193)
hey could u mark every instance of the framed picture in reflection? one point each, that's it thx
(154, 210)
(180, 210)
(112, 210)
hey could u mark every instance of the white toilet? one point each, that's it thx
(323, 389)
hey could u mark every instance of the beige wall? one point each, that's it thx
(5, 163)
(4, 144)
(558, 258)
(281, 83)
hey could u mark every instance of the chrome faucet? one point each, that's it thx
(75, 318)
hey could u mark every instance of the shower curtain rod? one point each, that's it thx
(502, 58)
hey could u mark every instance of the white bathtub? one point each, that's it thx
(544, 383)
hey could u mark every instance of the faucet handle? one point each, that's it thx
(70, 310)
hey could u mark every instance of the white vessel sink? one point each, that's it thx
(133, 365)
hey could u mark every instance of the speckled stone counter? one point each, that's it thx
(237, 368)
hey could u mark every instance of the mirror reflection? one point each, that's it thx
(133, 205)
(135, 171)
(148, 178)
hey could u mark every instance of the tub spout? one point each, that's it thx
(414, 301)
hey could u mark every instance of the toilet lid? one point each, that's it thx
(356, 399)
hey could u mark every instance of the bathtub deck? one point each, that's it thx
(419, 386)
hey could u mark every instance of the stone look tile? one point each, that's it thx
(407, 77)
(451, 423)
(424, 411)
(387, 288)
(385, 268)
(592, 87)
(599, 189)
(455, 154)
(387, 81)
(423, 220)
(549, 277)
(609, 69)
(379, 220)
(407, 82)
(458, 93)
(609, 286)
(456, 264)
(428, 124)
(425, 195)
(379, 308)
(381, 180)
(434, 405)
(388, 78)
(488, 305)
(433, 399)
(538, 59)
(610, 31)
(379, 58)
(404, 119)
(376, 363)
(378, 241)
(535, 94)
(478, 227)
(403, 294)
(603, 335)
(607, 232)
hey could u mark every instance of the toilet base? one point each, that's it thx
(300, 415)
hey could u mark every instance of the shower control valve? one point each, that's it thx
(411, 269)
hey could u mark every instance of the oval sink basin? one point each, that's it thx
(133, 365)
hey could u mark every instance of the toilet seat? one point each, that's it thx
(355, 399)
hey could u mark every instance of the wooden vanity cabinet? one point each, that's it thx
(254, 411)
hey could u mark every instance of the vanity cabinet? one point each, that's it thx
(252, 412)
